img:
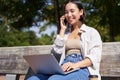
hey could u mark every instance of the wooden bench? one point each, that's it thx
(12, 64)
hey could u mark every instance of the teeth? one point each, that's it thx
(70, 18)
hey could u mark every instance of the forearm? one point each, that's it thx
(81, 64)
(58, 45)
(84, 63)
(62, 32)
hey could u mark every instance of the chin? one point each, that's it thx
(71, 23)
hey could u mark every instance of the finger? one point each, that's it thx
(62, 18)
(64, 67)
(69, 68)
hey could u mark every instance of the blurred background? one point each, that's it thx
(36, 22)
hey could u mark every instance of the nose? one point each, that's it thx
(69, 14)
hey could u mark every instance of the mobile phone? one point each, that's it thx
(65, 21)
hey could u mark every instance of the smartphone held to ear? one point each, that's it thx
(65, 21)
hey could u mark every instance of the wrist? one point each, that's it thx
(62, 32)
(78, 65)
(62, 29)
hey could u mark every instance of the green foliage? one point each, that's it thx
(10, 37)
(16, 15)
(46, 39)
(108, 10)
(21, 14)
(104, 16)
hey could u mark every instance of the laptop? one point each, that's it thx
(45, 64)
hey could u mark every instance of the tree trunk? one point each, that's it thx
(57, 14)
(111, 19)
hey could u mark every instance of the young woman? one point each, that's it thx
(80, 46)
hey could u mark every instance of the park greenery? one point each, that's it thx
(18, 16)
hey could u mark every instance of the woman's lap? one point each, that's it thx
(78, 75)
(39, 77)
(81, 74)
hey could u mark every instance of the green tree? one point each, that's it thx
(16, 15)
(20, 13)
(12, 38)
(110, 17)
(16, 38)
(46, 39)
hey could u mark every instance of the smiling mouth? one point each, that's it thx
(70, 20)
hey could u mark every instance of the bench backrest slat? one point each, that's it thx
(11, 58)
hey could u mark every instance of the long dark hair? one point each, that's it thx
(80, 6)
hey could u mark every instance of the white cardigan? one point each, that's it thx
(90, 44)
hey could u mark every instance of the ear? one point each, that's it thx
(81, 12)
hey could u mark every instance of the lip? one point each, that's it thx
(70, 20)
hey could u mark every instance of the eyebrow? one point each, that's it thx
(70, 9)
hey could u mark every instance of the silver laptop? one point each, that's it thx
(45, 64)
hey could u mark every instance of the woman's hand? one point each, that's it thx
(62, 23)
(63, 26)
(69, 66)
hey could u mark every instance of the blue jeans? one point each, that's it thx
(82, 74)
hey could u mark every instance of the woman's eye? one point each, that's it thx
(72, 11)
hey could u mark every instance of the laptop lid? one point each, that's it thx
(45, 64)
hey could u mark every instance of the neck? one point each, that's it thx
(76, 26)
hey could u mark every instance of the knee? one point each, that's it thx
(33, 78)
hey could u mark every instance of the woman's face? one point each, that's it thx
(72, 13)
